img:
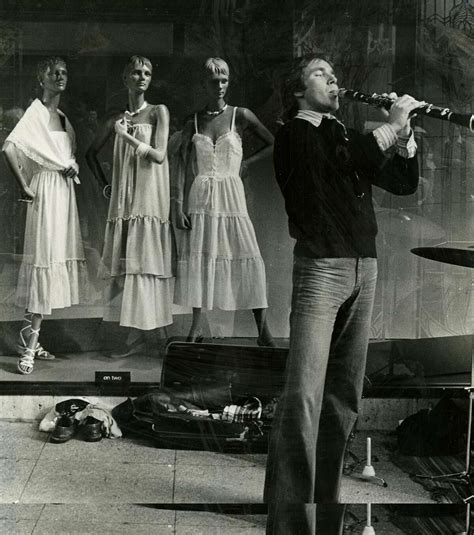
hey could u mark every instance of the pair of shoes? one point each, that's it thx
(195, 337)
(91, 429)
(269, 342)
(65, 429)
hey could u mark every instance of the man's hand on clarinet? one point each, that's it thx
(399, 114)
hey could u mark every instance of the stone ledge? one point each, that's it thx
(376, 414)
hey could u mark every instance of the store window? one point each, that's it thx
(374, 50)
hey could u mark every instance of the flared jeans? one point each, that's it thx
(329, 331)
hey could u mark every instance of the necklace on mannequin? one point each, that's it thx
(217, 112)
(136, 112)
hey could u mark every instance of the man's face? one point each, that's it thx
(321, 89)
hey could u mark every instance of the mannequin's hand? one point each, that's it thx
(27, 194)
(180, 219)
(69, 172)
(121, 126)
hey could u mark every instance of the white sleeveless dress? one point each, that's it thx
(219, 262)
(136, 259)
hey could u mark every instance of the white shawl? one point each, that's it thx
(33, 138)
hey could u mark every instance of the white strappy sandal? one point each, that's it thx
(26, 361)
(42, 354)
(39, 351)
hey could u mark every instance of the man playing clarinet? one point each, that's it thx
(326, 172)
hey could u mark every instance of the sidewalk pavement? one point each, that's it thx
(126, 519)
(133, 470)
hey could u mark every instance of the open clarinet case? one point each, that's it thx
(212, 397)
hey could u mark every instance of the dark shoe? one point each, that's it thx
(64, 430)
(92, 429)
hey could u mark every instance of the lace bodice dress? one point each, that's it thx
(219, 262)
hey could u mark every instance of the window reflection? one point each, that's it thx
(415, 298)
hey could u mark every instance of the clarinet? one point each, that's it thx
(445, 114)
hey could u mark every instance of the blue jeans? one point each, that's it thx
(329, 333)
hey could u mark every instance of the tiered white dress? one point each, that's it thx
(136, 260)
(219, 262)
(53, 271)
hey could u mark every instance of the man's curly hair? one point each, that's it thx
(292, 82)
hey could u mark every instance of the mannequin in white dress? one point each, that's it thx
(136, 259)
(219, 262)
(40, 154)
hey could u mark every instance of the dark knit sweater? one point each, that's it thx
(326, 179)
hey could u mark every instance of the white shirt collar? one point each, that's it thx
(314, 117)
